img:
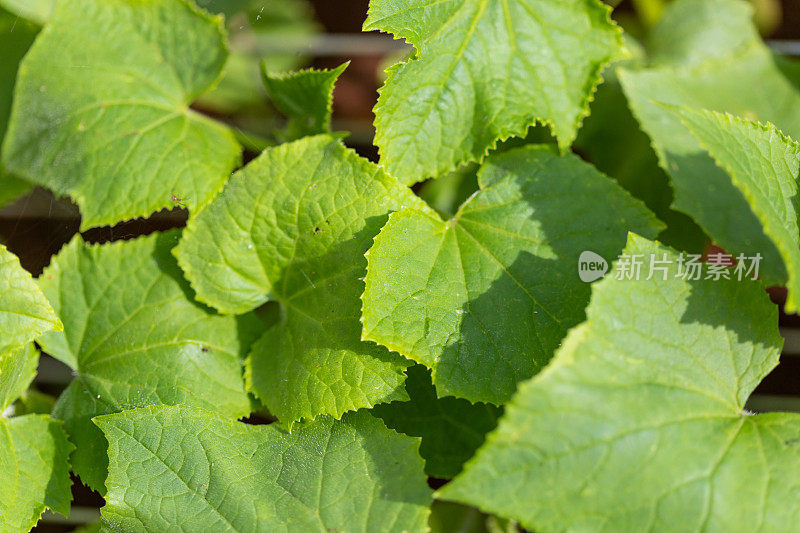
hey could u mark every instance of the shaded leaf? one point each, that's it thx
(451, 428)
(33, 402)
(745, 80)
(17, 36)
(447, 517)
(292, 227)
(763, 164)
(485, 298)
(612, 140)
(648, 397)
(275, 32)
(692, 33)
(305, 97)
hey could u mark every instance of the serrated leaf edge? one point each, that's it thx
(564, 143)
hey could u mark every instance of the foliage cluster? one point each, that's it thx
(394, 335)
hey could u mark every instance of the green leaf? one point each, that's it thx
(24, 312)
(611, 140)
(763, 164)
(17, 36)
(11, 188)
(33, 449)
(292, 227)
(748, 81)
(691, 32)
(94, 527)
(33, 459)
(134, 337)
(451, 428)
(485, 71)
(305, 97)
(276, 32)
(186, 469)
(36, 11)
(226, 7)
(448, 517)
(17, 370)
(446, 194)
(101, 110)
(33, 402)
(638, 423)
(485, 298)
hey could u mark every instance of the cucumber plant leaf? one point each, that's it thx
(228, 8)
(134, 337)
(17, 36)
(447, 517)
(292, 227)
(17, 370)
(11, 187)
(451, 429)
(612, 140)
(33, 401)
(305, 97)
(485, 71)
(36, 11)
(485, 298)
(34, 449)
(176, 468)
(763, 164)
(34, 453)
(92, 527)
(25, 314)
(746, 81)
(24, 311)
(648, 397)
(108, 122)
(276, 33)
(693, 33)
